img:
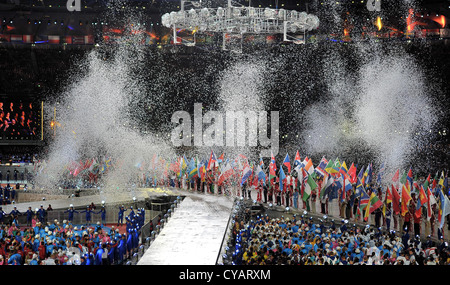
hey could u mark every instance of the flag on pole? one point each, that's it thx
(226, 173)
(272, 168)
(395, 200)
(363, 200)
(406, 198)
(388, 197)
(282, 178)
(297, 160)
(396, 177)
(261, 175)
(352, 173)
(368, 174)
(310, 185)
(320, 169)
(333, 167)
(374, 203)
(308, 166)
(246, 173)
(287, 163)
(444, 208)
(380, 175)
(212, 160)
(421, 201)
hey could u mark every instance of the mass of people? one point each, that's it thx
(43, 242)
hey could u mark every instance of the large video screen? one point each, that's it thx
(19, 119)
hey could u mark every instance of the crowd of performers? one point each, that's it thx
(42, 242)
(419, 205)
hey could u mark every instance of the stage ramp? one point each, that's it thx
(194, 233)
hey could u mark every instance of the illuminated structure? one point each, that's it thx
(239, 20)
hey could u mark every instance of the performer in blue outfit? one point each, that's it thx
(88, 212)
(121, 214)
(29, 214)
(71, 211)
(103, 212)
(122, 249)
(41, 214)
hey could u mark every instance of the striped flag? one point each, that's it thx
(320, 169)
(53, 39)
(374, 203)
(287, 163)
(310, 185)
(28, 39)
(16, 38)
(226, 173)
(406, 198)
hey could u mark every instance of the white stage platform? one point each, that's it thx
(193, 234)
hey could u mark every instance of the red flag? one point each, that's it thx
(212, 160)
(406, 197)
(389, 198)
(352, 173)
(395, 200)
(396, 176)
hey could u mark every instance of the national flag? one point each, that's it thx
(444, 208)
(246, 173)
(435, 179)
(343, 170)
(441, 180)
(212, 161)
(395, 200)
(221, 157)
(388, 197)
(427, 182)
(53, 39)
(406, 198)
(327, 184)
(287, 163)
(68, 40)
(359, 187)
(28, 39)
(297, 160)
(320, 169)
(421, 201)
(193, 170)
(89, 39)
(202, 172)
(226, 173)
(352, 173)
(396, 176)
(272, 168)
(310, 185)
(308, 165)
(380, 175)
(16, 38)
(78, 40)
(374, 203)
(333, 167)
(261, 162)
(409, 178)
(363, 200)
(282, 179)
(361, 175)
(261, 175)
(368, 174)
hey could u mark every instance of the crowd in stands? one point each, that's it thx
(42, 242)
(300, 241)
